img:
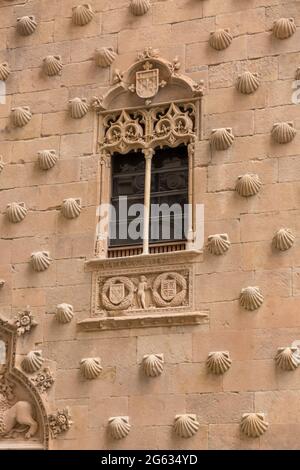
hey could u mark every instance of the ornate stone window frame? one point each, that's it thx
(151, 105)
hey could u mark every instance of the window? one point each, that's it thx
(168, 197)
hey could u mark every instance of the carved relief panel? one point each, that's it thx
(142, 292)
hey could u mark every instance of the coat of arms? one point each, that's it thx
(147, 83)
(168, 289)
(116, 293)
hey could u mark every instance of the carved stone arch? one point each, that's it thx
(150, 80)
(15, 390)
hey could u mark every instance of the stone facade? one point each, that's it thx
(206, 354)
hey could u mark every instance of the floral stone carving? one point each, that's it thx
(254, 424)
(52, 65)
(60, 422)
(47, 159)
(283, 132)
(32, 362)
(283, 239)
(24, 322)
(105, 57)
(21, 413)
(220, 39)
(218, 244)
(119, 427)
(247, 83)
(218, 362)
(221, 139)
(4, 71)
(26, 25)
(16, 212)
(91, 367)
(64, 313)
(251, 298)
(71, 208)
(153, 364)
(43, 380)
(186, 425)
(284, 28)
(139, 7)
(21, 116)
(248, 185)
(286, 358)
(40, 260)
(82, 14)
(78, 108)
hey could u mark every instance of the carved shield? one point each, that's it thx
(116, 293)
(147, 83)
(168, 289)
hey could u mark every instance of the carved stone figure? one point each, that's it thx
(141, 291)
(17, 417)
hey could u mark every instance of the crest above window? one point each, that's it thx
(150, 80)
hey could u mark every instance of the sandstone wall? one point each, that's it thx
(178, 28)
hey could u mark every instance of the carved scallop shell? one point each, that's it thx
(220, 39)
(26, 25)
(21, 116)
(139, 7)
(47, 159)
(254, 424)
(71, 208)
(64, 313)
(283, 132)
(105, 56)
(40, 260)
(221, 139)
(285, 358)
(4, 71)
(78, 108)
(283, 239)
(82, 14)
(1, 163)
(52, 65)
(218, 244)
(284, 28)
(248, 185)
(90, 367)
(251, 298)
(186, 425)
(2, 283)
(247, 83)
(119, 427)
(297, 76)
(153, 364)
(32, 362)
(16, 212)
(218, 362)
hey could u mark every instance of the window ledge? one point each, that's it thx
(175, 257)
(143, 321)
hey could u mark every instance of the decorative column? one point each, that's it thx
(191, 214)
(148, 153)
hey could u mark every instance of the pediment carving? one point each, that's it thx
(150, 80)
